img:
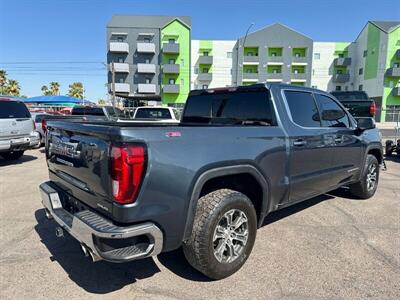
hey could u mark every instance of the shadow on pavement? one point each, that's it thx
(98, 278)
(23, 159)
(395, 158)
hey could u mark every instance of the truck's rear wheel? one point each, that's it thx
(223, 233)
(368, 184)
(12, 155)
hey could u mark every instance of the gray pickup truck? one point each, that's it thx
(127, 191)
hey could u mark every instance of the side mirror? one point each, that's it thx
(365, 124)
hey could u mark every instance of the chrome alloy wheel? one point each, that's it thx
(371, 177)
(230, 236)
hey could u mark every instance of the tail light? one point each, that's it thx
(44, 125)
(128, 163)
(372, 108)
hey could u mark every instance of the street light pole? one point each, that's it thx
(238, 51)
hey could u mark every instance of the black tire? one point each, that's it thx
(211, 211)
(12, 155)
(389, 147)
(362, 189)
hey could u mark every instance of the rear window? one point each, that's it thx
(153, 113)
(247, 107)
(350, 96)
(13, 110)
(91, 111)
(39, 118)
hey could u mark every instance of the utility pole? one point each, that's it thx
(238, 51)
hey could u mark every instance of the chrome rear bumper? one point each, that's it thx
(90, 229)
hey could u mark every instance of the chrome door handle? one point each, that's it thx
(299, 143)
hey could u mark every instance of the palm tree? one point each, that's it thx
(54, 88)
(3, 80)
(76, 90)
(13, 87)
(46, 91)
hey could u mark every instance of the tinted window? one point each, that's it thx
(115, 112)
(350, 95)
(39, 118)
(303, 109)
(250, 107)
(153, 113)
(332, 114)
(92, 111)
(13, 109)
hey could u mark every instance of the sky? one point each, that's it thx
(65, 40)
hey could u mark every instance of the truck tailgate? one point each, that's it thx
(77, 157)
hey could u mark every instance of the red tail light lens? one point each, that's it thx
(372, 108)
(44, 125)
(128, 163)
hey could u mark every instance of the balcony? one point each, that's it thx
(146, 48)
(121, 87)
(146, 68)
(170, 69)
(275, 59)
(171, 89)
(250, 59)
(396, 92)
(205, 60)
(204, 76)
(342, 61)
(120, 67)
(171, 48)
(250, 76)
(341, 78)
(393, 72)
(397, 54)
(299, 59)
(274, 76)
(302, 76)
(119, 47)
(147, 88)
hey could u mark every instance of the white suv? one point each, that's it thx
(16, 129)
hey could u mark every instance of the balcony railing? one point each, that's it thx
(274, 76)
(204, 76)
(299, 76)
(170, 69)
(146, 68)
(171, 88)
(250, 59)
(253, 76)
(171, 48)
(146, 48)
(342, 61)
(341, 78)
(147, 88)
(393, 72)
(205, 60)
(299, 59)
(121, 87)
(396, 92)
(275, 59)
(120, 67)
(119, 47)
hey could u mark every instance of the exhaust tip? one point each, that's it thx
(85, 250)
(48, 214)
(93, 256)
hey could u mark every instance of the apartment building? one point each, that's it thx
(150, 57)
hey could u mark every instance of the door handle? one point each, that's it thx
(299, 143)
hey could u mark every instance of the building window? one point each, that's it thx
(171, 61)
(317, 56)
(249, 54)
(273, 54)
(120, 39)
(338, 88)
(121, 80)
(205, 53)
(314, 86)
(396, 65)
(360, 87)
(147, 80)
(182, 82)
(346, 88)
(171, 41)
(205, 86)
(392, 113)
(147, 61)
(171, 81)
(196, 70)
(120, 60)
(296, 55)
(360, 71)
(341, 55)
(313, 71)
(391, 84)
(146, 40)
(182, 62)
(228, 54)
(205, 70)
(339, 71)
(365, 53)
(295, 71)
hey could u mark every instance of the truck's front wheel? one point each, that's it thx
(223, 233)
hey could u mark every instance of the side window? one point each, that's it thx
(332, 114)
(303, 109)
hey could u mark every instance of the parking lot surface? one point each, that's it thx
(329, 247)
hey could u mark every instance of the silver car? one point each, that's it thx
(37, 117)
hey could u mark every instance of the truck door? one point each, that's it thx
(347, 156)
(310, 160)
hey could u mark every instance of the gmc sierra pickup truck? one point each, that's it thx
(126, 191)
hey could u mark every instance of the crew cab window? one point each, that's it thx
(302, 108)
(332, 115)
(13, 110)
(231, 108)
(87, 111)
(153, 113)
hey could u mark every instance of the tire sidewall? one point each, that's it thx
(369, 161)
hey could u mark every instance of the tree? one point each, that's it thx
(76, 90)
(3, 81)
(13, 87)
(46, 91)
(101, 102)
(54, 88)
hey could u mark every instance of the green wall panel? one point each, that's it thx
(371, 61)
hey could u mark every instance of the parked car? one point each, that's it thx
(357, 103)
(108, 112)
(38, 117)
(128, 191)
(16, 129)
(156, 114)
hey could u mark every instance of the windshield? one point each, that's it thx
(13, 110)
(153, 113)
